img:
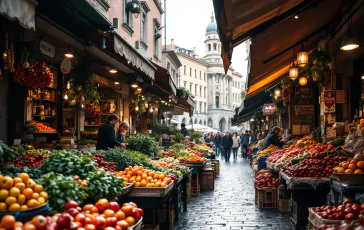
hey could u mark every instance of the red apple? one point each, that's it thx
(114, 206)
(111, 222)
(71, 204)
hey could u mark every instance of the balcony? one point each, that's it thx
(223, 107)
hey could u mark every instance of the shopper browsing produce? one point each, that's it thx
(123, 127)
(183, 130)
(106, 134)
(218, 140)
(272, 138)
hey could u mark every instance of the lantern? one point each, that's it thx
(302, 57)
(277, 92)
(293, 72)
(302, 81)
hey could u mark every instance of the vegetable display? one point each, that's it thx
(143, 144)
(7, 154)
(104, 185)
(266, 180)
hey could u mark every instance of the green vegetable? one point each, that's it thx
(337, 142)
(7, 154)
(143, 144)
(178, 138)
(62, 189)
(13, 171)
(140, 159)
(69, 163)
(104, 185)
(119, 156)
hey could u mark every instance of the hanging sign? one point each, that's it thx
(329, 101)
(47, 49)
(269, 109)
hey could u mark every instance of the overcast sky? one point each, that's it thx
(186, 24)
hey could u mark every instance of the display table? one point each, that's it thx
(341, 190)
(294, 183)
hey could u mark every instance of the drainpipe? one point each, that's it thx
(165, 25)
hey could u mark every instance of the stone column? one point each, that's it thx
(213, 91)
(230, 96)
(208, 93)
(223, 90)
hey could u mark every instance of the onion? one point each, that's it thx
(359, 157)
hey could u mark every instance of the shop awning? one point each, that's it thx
(237, 20)
(164, 80)
(272, 49)
(187, 103)
(21, 10)
(123, 48)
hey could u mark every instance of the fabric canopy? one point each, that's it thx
(237, 20)
(123, 48)
(164, 79)
(265, 69)
(21, 10)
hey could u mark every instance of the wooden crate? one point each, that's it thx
(195, 185)
(216, 164)
(317, 221)
(283, 206)
(266, 198)
(188, 190)
(150, 192)
(207, 179)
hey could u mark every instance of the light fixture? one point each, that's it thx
(139, 89)
(349, 42)
(151, 109)
(65, 96)
(362, 77)
(69, 53)
(134, 85)
(82, 106)
(113, 70)
(293, 70)
(136, 108)
(296, 16)
(163, 101)
(116, 83)
(252, 119)
(277, 92)
(134, 7)
(68, 85)
(302, 81)
(146, 105)
(302, 57)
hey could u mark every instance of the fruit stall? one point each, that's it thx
(117, 188)
(308, 178)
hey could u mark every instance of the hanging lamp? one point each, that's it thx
(302, 81)
(293, 70)
(302, 57)
(349, 42)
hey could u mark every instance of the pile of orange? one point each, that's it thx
(192, 159)
(20, 193)
(141, 177)
(351, 166)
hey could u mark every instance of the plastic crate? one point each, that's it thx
(266, 198)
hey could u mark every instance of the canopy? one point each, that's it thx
(198, 127)
(21, 10)
(164, 81)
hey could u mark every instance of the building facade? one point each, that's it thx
(216, 94)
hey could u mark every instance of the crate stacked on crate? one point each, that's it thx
(195, 185)
(216, 166)
(266, 192)
(207, 179)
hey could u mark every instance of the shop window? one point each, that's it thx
(215, 46)
(217, 102)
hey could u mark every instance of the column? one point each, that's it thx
(208, 94)
(223, 90)
(230, 96)
(213, 91)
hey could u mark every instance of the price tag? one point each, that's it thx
(17, 142)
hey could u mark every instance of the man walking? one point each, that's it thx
(227, 143)
(217, 141)
(245, 143)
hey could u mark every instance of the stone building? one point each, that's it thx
(216, 94)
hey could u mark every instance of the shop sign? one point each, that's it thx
(340, 96)
(331, 119)
(269, 109)
(47, 49)
(296, 129)
(329, 101)
(306, 129)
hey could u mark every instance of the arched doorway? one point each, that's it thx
(196, 121)
(200, 122)
(209, 123)
(204, 123)
(222, 124)
(191, 121)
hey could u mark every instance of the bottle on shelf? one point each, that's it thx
(34, 109)
(41, 110)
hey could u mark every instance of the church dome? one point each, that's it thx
(212, 27)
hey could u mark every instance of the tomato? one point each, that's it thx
(81, 218)
(123, 224)
(8, 222)
(114, 206)
(141, 211)
(40, 222)
(71, 204)
(102, 205)
(90, 227)
(111, 222)
(127, 210)
(100, 222)
(350, 217)
(120, 215)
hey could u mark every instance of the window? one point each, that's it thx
(226, 100)
(185, 85)
(217, 79)
(184, 70)
(144, 27)
(190, 87)
(204, 109)
(200, 122)
(195, 73)
(204, 76)
(239, 85)
(196, 90)
(233, 96)
(215, 46)
(217, 102)
(156, 48)
(196, 121)
(200, 91)
(200, 75)
(204, 92)
(128, 19)
(168, 66)
(190, 72)
(200, 107)
(196, 107)
(209, 46)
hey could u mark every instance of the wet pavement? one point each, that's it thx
(231, 204)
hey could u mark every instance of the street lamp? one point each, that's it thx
(134, 7)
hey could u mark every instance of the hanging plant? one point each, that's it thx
(318, 67)
(85, 93)
(137, 106)
(36, 75)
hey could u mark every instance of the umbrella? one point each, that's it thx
(197, 127)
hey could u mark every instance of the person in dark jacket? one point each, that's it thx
(227, 143)
(183, 130)
(245, 144)
(217, 141)
(272, 138)
(106, 134)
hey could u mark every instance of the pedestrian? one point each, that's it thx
(245, 143)
(183, 130)
(218, 140)
(236, 144)
(212, 137)
(272, 138)
(227, 143)
(123, 127)
(106, 134)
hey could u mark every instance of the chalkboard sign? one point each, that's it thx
(303, 114)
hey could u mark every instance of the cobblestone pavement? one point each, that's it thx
(231, 205)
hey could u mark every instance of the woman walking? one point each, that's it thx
(236, 144)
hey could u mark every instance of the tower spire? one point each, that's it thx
(212, 17)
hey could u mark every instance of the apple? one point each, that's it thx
(141, 211)
(73, 211)
(73, 226)
(114, 206)
(71, 204)
(123, 224)
(131, 204)
(64, 221)
(111, 222)
(127, 210)
(99, 222)
(81, 218)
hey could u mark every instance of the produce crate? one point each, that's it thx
(195, 185)
(266, 198)
(311, 226)
(127, 189)
(283, 206)
(207, 179)
(150, 192)
(188, 190)
(317, 221)
(27, 215)
(352, 179)
(216, 164)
